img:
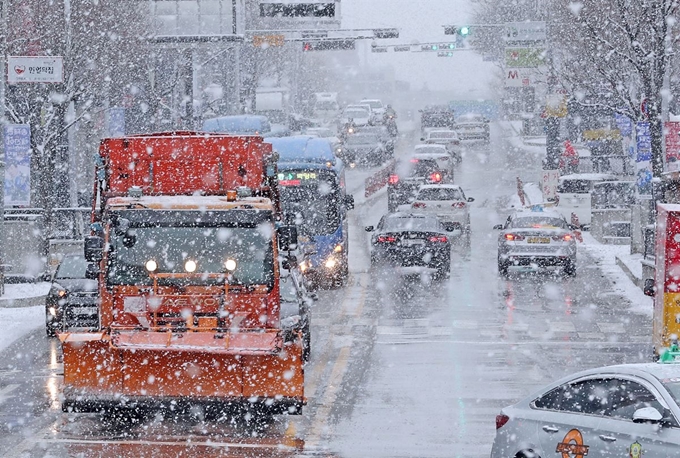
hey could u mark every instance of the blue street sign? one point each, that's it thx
(624, 124)
(644, 157)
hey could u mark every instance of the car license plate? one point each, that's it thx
(538, 240)
(413, 242)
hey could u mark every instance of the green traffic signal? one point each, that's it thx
(464, 30)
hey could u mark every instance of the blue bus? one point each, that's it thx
(313, 196)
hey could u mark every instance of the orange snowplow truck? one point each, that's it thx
(185, 245)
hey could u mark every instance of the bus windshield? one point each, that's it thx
(312, 202)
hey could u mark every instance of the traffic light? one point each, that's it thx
(461, 30)
(438, 46)
(328, 45)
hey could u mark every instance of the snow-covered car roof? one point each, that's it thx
(589, 177)
(548, 213)
(431, 155)
(440, 186)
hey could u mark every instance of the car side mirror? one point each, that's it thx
(647, 415)
(471, 199)
(498, 227)
(369, 228)
(573, 227)
(449, 227)
(92, 271)
(288, 238)
(422, 139)
(650, 287)
(349, 202)
(94, 248)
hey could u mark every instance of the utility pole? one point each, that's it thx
(3, 60)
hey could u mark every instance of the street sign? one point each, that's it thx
(328, 45)
(436, 47)
(549, 181)
(445, 54)
(379, 49)
(524, 57)
(39, 69)
(386, 33)
(402, 48)
(525, 33)
(643, 160)
(265, 41)
(624, 124)
(17, 141)
(521, 77)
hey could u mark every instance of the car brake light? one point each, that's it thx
(418, 205)
(513, 237)
(501, 420)
(394, 179)
(458, 205)
(440, 238)
(415, 161)
(436, 177)
(565, 238)
(568, 237)
(387, 238)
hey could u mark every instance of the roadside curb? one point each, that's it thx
(629, 273)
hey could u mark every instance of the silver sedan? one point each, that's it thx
(628, 410)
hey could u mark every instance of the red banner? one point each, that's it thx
(672, 139)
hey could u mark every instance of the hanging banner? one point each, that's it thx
(29, 69)
(643, 159)
(17, 141)
(672, 140)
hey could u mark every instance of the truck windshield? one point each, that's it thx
(205, 250)
(314, 209)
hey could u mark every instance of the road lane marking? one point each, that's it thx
(5, 392)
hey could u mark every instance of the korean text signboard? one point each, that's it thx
(549, 182)
(643, 158)
(17, 141)
(672, 138)
(45, 69)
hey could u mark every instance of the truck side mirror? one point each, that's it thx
(650, 287)
(94, 248)
(349, 202)
(288, 238)
(289, 262)
(92, 271)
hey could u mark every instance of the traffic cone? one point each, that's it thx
(577, 232)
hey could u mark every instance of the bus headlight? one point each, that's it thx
(190, 266)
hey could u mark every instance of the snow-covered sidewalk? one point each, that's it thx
(606, 258)
(22, 310)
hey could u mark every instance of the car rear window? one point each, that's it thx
(440, 194)
(411, 224)
(423, 168)
(442, 135)
(430, 150)
(574, 186)
(538, 222)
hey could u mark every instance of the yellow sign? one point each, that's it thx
(602, 134)
(263, 41)
(556, 106)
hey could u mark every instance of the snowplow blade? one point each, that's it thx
(252, 370)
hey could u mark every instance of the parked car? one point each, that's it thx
(73, 299)
(448, 203)
(448, 138)
(407, 178)
(574, 195)
(629, 410)
(412, 242)
(439, 153)
(532, 240)
(473, 127)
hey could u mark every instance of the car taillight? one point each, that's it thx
(435, 177)
(458, 205)
(501, 420)
(563, 238)
(387, 239)
(418, 205)
(513, 237)
(414, 161)
(394, 179)
(440, 238)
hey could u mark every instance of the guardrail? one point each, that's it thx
(379, 179)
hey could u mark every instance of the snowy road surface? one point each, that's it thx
(399, 367)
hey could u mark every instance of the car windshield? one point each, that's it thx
(538, 222)
(575, 186)
(363, 139)
(408, 223)
(440, 194)
(444, 135)
(356, 114)
(326, 106)
(72, 267)
(422, 168)
(171, 249)
(373, 103)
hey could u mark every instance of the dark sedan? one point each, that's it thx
(73, 300)
(415, 243)
(407, 178)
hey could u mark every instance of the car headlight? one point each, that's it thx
(331, 263)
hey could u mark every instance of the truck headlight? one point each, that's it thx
(190, 266)
(53, 311)
(151, 265)
(230, 264)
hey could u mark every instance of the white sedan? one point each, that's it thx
(629, 410)
(449, 204)
(447, 138)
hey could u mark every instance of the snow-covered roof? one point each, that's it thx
(188, 203)
(590, 177)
